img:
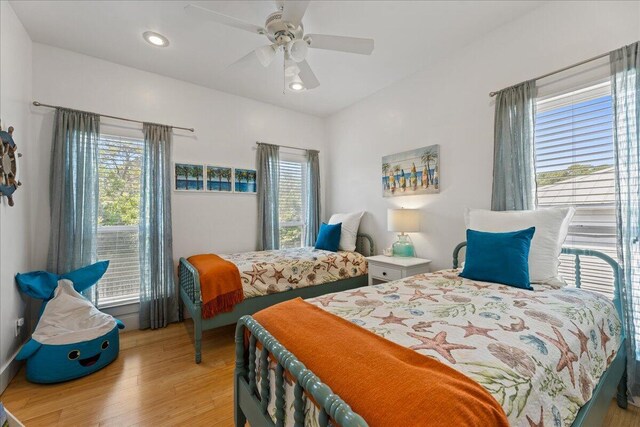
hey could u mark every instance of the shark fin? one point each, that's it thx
(28, 349)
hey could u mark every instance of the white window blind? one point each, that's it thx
(292, 202)
(574, 167)
(119, 171)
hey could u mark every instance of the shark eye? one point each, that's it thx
(74, 354)
(105, 344)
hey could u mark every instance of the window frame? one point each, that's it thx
(291, 157)
(119, 301)
(585, 232)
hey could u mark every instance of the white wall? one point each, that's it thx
(448, 104)
(15, 222)
(227, 127)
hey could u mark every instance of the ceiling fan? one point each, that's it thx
(285, 31)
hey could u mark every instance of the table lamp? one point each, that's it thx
(403, 221)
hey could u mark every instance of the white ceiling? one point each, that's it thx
(409, 35)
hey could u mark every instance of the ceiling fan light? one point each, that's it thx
(297, 50)
(265, 55)
(296, 84)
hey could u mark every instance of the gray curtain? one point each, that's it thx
(313, 197)
(158, 292)
(513, 155)
(268, 176)
(74, 192)
(625, 84)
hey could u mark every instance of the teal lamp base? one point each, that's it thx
(403, 247)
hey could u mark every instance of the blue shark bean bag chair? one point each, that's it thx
(73, 338)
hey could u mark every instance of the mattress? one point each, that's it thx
(268, 272)
(540, 353)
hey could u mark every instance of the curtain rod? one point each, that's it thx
(492, 94)
(40, 104)
(284, 146)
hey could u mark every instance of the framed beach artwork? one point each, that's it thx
(188, 177)
(411, 172)
(245, 181)
(219, 179)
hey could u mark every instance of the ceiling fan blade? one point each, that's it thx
(263, 55)
(266, 54)
(250, 59)
(201, 12)
(306, 75)
(294, 11)
(340, 43)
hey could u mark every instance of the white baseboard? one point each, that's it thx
(9, 370)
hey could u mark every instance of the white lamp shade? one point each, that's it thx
(403, 220)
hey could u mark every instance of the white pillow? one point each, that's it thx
(552, 226)
(350, 224)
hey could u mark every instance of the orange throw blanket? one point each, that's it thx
(220, 284)
(387, 384)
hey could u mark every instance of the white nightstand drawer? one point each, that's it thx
(385, 269)
(385, 272)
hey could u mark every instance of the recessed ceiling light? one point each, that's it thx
(155, 39)
(296, 86)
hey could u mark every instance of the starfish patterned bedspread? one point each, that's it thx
(268, 272)
(540, 353)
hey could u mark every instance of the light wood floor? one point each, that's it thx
(154, 382)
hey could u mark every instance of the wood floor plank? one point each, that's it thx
(155, 382)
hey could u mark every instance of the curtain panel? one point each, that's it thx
(313, 197)
(513, 157)
(268, 176)
(158, 292)
(74, 193)
(625, 84)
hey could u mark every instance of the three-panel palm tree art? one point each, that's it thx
(215, 179)
(411, 172)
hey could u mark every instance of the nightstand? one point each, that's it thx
(387, 268)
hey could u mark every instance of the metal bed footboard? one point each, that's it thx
(253, 406)
(189, 281)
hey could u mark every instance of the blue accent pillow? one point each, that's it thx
(329, 237)
(499, 257)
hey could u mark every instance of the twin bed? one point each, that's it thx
(553, 356)
(270, 277)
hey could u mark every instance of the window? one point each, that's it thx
(119, 172)
(292, 201)
(574, 161)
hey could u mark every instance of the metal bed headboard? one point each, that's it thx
(615, 267)
(362, 241)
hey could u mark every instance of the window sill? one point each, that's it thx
(119, 303)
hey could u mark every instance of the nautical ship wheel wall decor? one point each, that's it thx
(9, 182)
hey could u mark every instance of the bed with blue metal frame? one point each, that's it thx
(250, 407)
(189, 282)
